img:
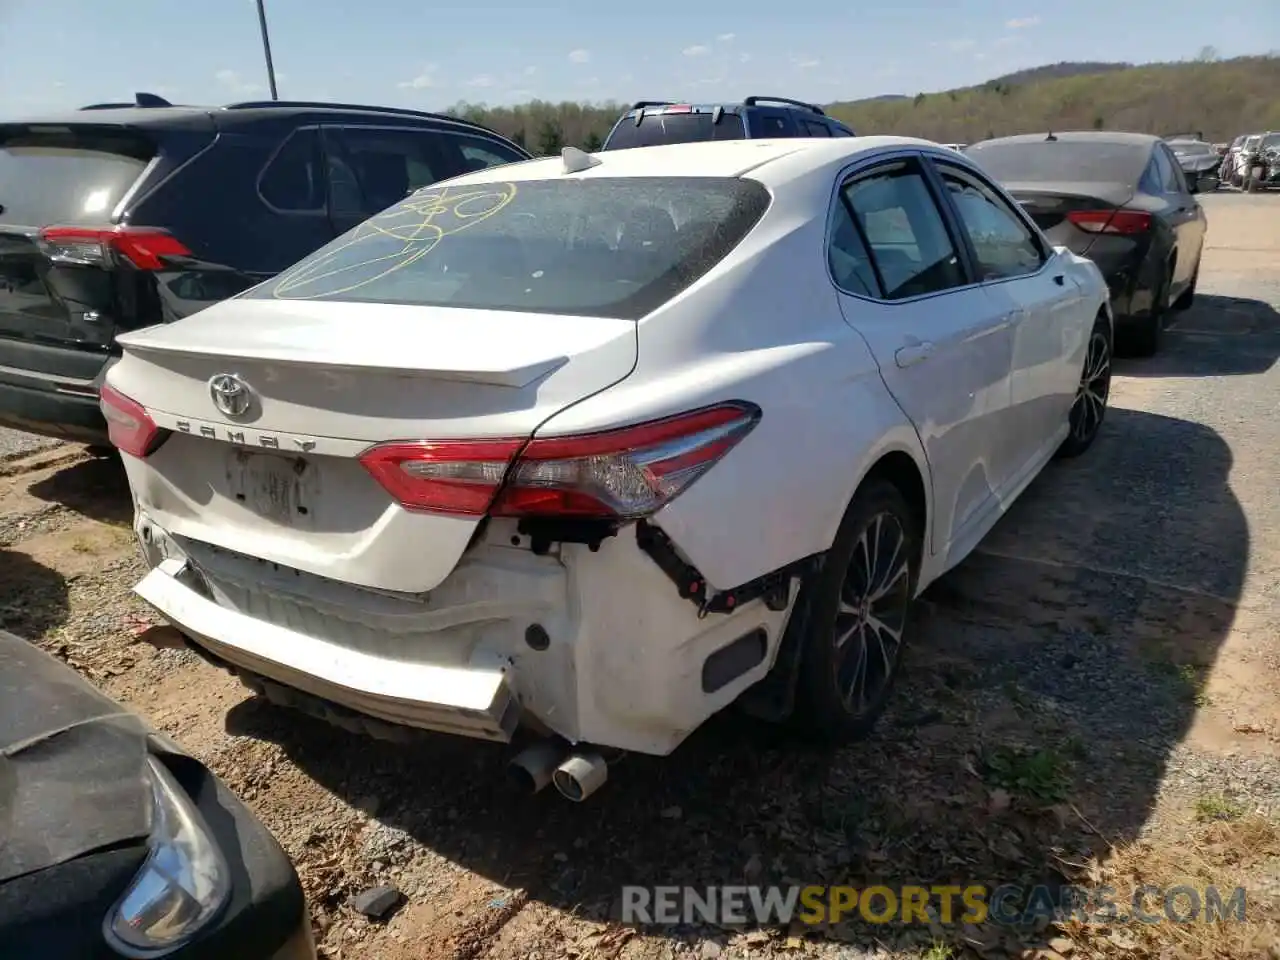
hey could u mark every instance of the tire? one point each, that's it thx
(836, 602)
(1145, 338)
(1089, 408)
(1188, 296)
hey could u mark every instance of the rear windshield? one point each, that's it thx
(608, 247)
(659, 128)
(1191, 149)
(1080, 161)
(64, 175)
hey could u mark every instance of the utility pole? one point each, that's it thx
(266, 50)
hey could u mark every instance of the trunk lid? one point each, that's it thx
(1049, 203)
(65, 175)
(282, 481)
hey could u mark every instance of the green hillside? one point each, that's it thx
(1222, 98)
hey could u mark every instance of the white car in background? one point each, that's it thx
(593, 445)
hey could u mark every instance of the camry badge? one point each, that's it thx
(231, 395)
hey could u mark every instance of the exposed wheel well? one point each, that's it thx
(899, 469)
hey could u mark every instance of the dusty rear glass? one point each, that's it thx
(657, 129)
(1192, 149)
(55, 175)
(607, 247)
(1049, 161)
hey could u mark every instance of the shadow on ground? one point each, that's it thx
(1052, 674)
(96, 488)
(1217, 337)
(33, 598)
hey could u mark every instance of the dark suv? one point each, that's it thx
(123, 215)
(653, 122)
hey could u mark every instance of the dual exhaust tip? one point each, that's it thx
(576, 774)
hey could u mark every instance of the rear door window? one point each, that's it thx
(772, 123)
(814, 129)
(910, 245)
(608, 247)
(656, 129)
(72, 175)
(384, 166)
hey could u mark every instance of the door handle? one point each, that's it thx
(916, 353)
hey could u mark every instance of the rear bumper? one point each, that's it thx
(51, 409)
(596, 647)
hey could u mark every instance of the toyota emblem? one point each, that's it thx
(231, 395)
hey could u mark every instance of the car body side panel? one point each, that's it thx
(765, 328)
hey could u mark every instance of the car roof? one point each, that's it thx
(718, 158)
(129, 115)
(1077, 136)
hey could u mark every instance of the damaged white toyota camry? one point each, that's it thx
(596, 446)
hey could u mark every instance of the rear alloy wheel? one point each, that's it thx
(1089, 408)
(860, 616)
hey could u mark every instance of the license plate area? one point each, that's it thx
(278, 488)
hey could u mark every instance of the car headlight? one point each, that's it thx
(183, 884)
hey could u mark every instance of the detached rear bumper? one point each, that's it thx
(470, 701)
(595, 646)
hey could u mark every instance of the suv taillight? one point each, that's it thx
(129, 426)
(144, 247)
(626, 473)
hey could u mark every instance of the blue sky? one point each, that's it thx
(65, 53)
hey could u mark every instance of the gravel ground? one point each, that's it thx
(1096, 681)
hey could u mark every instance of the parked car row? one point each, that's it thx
(1124, 201)
(1252, 162)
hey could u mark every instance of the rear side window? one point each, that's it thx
(659, 128)
(479, 154)
(384, 165)
(607, 247)
(52, 175)
(812, 129)
(293, 180)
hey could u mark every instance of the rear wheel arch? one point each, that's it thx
(900, 469)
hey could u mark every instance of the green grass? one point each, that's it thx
(1035, 774)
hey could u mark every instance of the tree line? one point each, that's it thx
(1222, 98)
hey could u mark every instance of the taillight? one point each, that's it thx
(626, 473)
(146, 248)
(129, 427)
(1111, 221)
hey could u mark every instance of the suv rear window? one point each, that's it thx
(59, 174)
(604, 247)
(659, 128)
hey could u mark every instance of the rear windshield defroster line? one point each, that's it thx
(601, 247)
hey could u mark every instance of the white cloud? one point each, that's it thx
(1006, 41)
(232, 80)
(726, 37)
(530, 71)
(805, 63)
(484, 80)
(579, 56)
(423, 81)
(744, 57)
(1021, 23)
(697, 50)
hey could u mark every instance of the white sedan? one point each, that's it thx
(594, 446)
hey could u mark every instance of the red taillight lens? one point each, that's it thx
(448, 476)
(144, 247)
(1111, 221)
(128, 424)
(626, 473)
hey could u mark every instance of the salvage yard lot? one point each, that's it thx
(1094, 695)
